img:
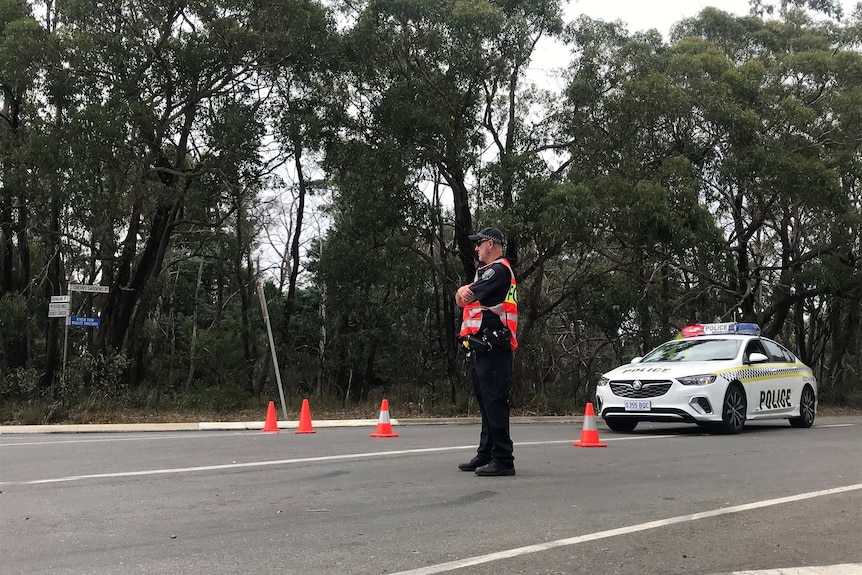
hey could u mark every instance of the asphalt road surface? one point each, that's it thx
(662, 500)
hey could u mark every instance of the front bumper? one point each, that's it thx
(669, 401)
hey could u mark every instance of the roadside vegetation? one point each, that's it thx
(178, 153)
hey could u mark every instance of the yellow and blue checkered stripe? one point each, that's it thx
(764, 371)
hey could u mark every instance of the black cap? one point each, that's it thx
(489, 234)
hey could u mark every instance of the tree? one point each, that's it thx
(22, 55)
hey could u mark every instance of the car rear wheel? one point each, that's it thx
(807, 409)
(621, 423)
(733, 410)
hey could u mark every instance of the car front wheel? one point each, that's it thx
(807, 409)
(733, 410)
(621, 423)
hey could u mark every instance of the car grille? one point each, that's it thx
(649, 389)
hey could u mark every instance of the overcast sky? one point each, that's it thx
(643, 15)
(638, 15)
(661, 14)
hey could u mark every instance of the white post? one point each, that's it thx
(262, 297)
(65, 347)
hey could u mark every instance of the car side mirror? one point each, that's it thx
(757, 358)
(636, 359)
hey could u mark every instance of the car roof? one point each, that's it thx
(719, 336)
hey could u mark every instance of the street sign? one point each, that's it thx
(61, 298)
(58, 309)
(89, 288)
(85, 321)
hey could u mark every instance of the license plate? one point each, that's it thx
(641, 405)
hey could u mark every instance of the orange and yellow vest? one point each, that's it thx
(471, 318)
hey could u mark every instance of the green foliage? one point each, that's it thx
(13, 315)
(97, 376)
(712, 176)
(18, 385)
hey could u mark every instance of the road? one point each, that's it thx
(663, 500)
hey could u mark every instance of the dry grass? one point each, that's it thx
(358, 412)
(196, 416)
(827, 410)
(32, 414)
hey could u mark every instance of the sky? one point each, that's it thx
(661, 14)
(638, 15)
(643, 15)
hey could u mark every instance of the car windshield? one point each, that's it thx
(694, 350)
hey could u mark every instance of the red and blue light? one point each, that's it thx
(736, 328)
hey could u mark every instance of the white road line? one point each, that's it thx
(539, 547)
(194, 435)
(250, 464)
(150, 437)
(843, 569)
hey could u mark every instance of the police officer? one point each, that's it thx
(488, 327)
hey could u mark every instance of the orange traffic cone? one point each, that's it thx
(271, 425)
(589, 435)
(305, 419)
(384, 427)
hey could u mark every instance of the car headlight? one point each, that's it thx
(602, 382)
(697, 379)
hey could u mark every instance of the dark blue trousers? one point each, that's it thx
(491, 373)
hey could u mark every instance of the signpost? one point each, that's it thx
(262, 297)
(60, 306)
(58, 309)
(90, 288)
(85, 321)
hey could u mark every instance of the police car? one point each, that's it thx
(715, 375)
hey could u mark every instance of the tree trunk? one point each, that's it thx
(463, 221)
(124, 298)
(12, 280)
(53, 286)
(193, 344)
(239, 276)
(297, 232)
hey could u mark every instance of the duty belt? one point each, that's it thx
(472, 343)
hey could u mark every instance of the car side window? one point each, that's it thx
(787, 353)
(776, 351)
(753, 346)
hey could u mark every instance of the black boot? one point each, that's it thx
(473, 464)
(495, 469)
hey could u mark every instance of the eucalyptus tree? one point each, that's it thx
(725, 163)
(156, 78)
(786, 175)
(23, 53)
(375, 281)
(304, 60)
(420, 67)
(637, 146)
(769, 8)
(444, 81)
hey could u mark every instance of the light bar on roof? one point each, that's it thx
(697, 329)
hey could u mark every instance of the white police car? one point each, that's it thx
(715, 375)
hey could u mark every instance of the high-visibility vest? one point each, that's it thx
(471, 317)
